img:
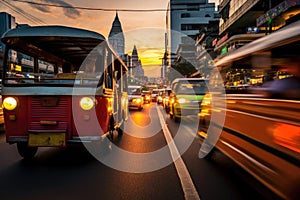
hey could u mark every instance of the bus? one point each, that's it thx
(61, 85)
(261, 130)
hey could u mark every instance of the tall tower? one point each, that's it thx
(116, 36)
(136, 64)
(135, 57)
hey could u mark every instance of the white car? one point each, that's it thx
(135, 98)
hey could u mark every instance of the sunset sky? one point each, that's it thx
(143, 29)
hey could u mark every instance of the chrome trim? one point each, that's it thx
(246, 97)
(19, 139)
(261, 117)
(50, 90)
(249, 158)
(86, 138)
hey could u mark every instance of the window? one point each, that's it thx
(187, 27)
(185, 15)
(46, 68)
(193, 7)
(192, 87)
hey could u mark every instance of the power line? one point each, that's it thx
(89, 8)
(22, 13)
(103, 9)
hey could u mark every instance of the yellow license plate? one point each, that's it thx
(47, 139)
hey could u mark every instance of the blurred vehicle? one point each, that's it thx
(146, 96)
(1, 116)
(1, 109)
(261, 131)
(159, 97)
(186, 97)
(135, 98)
(0, 86)
(165, 101)
(154, 94)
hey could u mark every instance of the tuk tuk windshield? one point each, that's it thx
(23, 69)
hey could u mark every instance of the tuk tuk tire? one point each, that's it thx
(111, 129)
(25, 151)
(177, 119)
(121, 130)
(172, 112)
(167, 110)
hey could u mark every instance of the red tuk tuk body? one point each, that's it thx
(61, 85)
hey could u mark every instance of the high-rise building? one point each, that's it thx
(185, 18)
(185, 21)
(243, 21)
(116, 37)
(7, 22)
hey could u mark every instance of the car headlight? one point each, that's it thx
(137, 100)
(10, 103)
(87, 103)
(181, 100)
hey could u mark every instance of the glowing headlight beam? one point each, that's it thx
(87, 103)
(10, 103)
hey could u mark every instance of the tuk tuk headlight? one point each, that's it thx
(10, 103)
(87, 103)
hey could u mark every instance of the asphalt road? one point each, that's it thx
(73, 173)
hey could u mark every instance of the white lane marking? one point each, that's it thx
(189, 190)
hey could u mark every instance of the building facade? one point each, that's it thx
(185, 18)
(7, 22)
(243, 21)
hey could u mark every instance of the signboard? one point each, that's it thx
(224, 51)
(276, 11)
(223, 39)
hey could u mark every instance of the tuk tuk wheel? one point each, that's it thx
(111, 129)
(167, 110)
(177, 119)
(25, 151)
(121, 130)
